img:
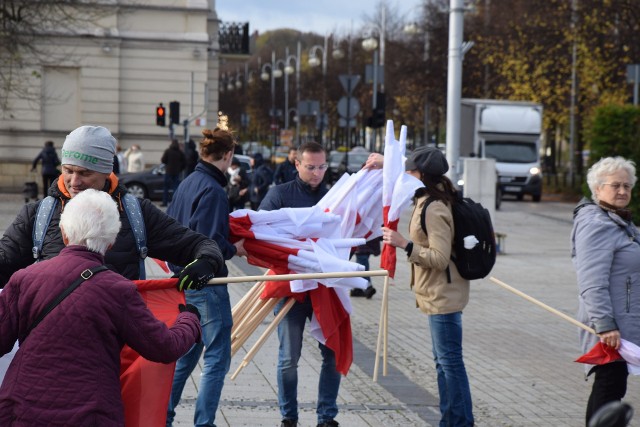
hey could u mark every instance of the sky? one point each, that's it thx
(318, 16)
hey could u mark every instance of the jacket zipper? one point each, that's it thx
(628, 294)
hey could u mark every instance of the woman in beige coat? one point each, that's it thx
(440, 291)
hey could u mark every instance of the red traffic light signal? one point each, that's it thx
(161, 115)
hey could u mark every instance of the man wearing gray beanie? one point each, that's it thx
(91, 147)
(87, 162)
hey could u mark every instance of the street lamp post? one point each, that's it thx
(314, 61)
(457, 49)
(370, 44)
(288, 69)
(273, 73)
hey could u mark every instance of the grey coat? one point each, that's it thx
(606, 256)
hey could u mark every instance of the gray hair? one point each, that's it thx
(608, 166)
(91, 219)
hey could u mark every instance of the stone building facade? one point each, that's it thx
(114, 73)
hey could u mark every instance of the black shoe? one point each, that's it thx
(369, 292)
(332, 423)
(356, 292)
(289, 423)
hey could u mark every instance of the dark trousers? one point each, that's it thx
(609, 384)
(170, 182)
(47, 181)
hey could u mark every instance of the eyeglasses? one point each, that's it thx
(617, 185)
(312, 168)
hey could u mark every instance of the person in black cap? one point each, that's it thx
(440, 291)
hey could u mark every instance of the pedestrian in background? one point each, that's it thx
(238, 186)
(260, 181)
(134, 159)
(122, 161)
(67, 369)
(286, 171)
(191, 156)
(174, 163)
(605, 253)
(304, 191)
(362, 253)
(50, 163)
(201, 204)
(440, 291)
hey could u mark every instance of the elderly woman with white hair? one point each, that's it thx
(606, 256)
(66, 371)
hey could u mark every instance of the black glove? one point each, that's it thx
(190, 308)
(196, 274)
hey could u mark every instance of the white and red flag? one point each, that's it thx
(602, 353)
(397, 190)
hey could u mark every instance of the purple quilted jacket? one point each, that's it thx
(66, 371)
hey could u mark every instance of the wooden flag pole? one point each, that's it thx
(543, 305)
(252, 352)
(300, 276)
(382, 331)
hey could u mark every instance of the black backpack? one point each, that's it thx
(469, 219)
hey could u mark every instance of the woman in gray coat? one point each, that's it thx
(606, 255)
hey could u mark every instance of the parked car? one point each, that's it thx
(353, 160)
(149, 184)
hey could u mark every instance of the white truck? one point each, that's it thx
(509, 132)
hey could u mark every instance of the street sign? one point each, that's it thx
(343, 123)
(349, 82)
(308, 107)
(286, 137)
(633, 73)
(368, 74)
(348, 103)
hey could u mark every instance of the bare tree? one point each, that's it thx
(28, 30)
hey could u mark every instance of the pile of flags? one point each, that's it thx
(320, 239)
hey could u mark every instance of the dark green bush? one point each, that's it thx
(615, 131)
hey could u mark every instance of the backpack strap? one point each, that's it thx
(43, 218)
(85, 275)
(131, 207)
(134, 214)
(423, 224)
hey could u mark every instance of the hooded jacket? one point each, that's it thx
(430, 257)
(67, 369)
(167, 239)
(605, 250)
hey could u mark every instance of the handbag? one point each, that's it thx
(85, 275)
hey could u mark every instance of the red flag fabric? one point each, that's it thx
(599, 355)
(388, 255)
(145, 385)
(280, 289)
(335, 324)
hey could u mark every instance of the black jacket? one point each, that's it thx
(167, 239)
(285, 172)
(292, 194)
(174, 160)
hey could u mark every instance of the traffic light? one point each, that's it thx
(174, 112)
(378, 119)
(160, 115)
(377, 115)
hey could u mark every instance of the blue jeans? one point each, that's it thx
(453, 385)
(363, 260)
(215, 311)
(170, 182)
(290, 332)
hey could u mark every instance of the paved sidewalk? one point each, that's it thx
(519, 357)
